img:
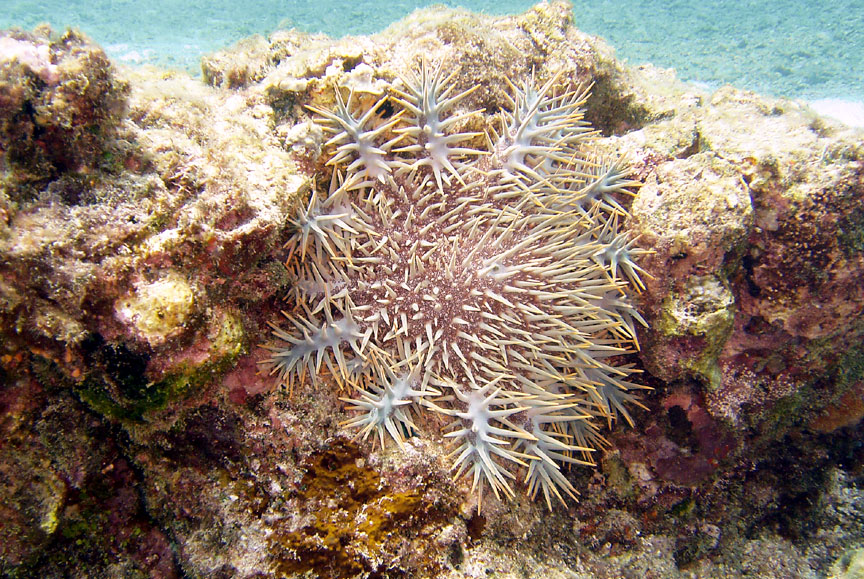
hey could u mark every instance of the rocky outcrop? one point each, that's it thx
(141, 263)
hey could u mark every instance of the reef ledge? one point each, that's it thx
(144, 216)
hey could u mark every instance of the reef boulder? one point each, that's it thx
(143, 222)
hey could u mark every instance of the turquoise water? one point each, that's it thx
(795, 48)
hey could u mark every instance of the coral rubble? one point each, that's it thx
(144, 217)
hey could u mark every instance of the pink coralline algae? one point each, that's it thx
(36, 57)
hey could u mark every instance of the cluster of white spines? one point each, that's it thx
(386, 406)
(552, 446)
(357, 142)
(540, 134)
(483, 430)
(480, 285)
(429, 100)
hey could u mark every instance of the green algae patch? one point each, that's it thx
(132, 404)
(618, 477)
(124, 403)
(121, 390)
(227, 342)
(351, 518)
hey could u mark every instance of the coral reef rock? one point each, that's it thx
(152, 230)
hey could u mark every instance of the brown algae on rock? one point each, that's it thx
(60, 101)
(354, 521)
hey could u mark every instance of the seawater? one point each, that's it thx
(792, 48)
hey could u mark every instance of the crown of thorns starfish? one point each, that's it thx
(489, 286)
